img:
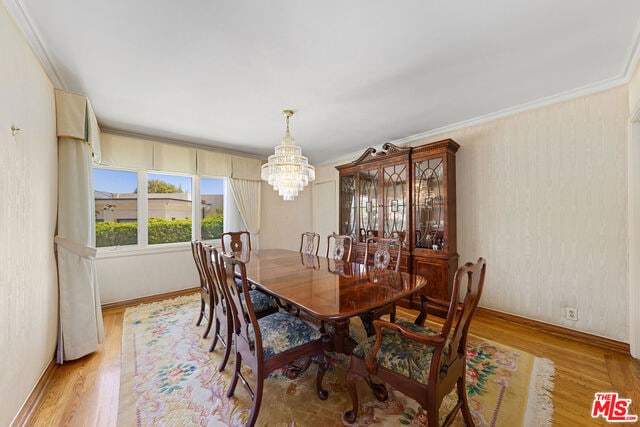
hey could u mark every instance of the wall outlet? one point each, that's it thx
(571, 313)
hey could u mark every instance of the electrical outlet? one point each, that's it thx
(571, 313)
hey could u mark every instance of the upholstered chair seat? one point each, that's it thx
(283, 331)
(398, 354)
(261, 302)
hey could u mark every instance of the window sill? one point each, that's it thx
(129, 251)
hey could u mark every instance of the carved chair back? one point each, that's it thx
(236, 242)
(206, 302)
(383, 253)
(309, 243)
(221, 313)
(339, 247)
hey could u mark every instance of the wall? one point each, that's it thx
(28, 184)
(542, 195)
(634, 213)
(283, 222)
(132, 274)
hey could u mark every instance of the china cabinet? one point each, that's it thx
(407, 193)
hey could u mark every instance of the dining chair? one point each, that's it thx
(221, 312)
(340, 249)
(236, 242)
(262, 303)
(381, 253)
(422, 363)
(206, 306)
(268, 343)
(309, 243)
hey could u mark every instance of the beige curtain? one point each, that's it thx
(246, 193)
(80, 316)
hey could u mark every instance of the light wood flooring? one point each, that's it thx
(85, 392)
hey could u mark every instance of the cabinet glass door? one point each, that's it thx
(368, 204)
(394, 208)
(428, 204)
(348, 206)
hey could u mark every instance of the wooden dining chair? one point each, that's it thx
(309, 243)
(268, 343)
(221, 314)
(339, 247)
(423, 364)
(236, 242)
(381, 253)
(206, 302)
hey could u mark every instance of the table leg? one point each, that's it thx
(342, 342)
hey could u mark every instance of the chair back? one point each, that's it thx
(241, 308)
(383, 253)
(196, 251)
(212, 273)
(468, 279)
(236, 242)
(309, 243)
(340, 250)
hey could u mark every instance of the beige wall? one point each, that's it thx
(542, 195)
(28, 184)
(283, 222)
(131, 275)
(634, 213)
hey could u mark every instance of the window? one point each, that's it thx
(143, 209)
(212, 208)
(169, 208)
(116, 207)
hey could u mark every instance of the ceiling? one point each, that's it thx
(358, 73)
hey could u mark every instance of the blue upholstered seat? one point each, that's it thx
(282, 331)
(260, 301)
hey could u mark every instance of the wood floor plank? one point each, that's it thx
(86, 392)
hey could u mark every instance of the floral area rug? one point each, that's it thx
(169, 378)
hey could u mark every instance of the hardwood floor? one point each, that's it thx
(85, 392)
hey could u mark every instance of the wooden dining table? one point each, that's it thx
(326, 289)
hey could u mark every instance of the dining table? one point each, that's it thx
(326, 289)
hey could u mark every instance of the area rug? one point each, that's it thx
(169, 378)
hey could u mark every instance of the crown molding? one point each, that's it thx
(542, 102)
(22, 20)
(152, 138)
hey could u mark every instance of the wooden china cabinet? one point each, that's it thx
(409, 193)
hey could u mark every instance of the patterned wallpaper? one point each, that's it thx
(542, 196)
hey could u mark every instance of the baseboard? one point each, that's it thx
(151, 298)
(33, 401)
(558, 331)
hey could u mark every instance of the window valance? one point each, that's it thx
(75, 119)
(136, 153)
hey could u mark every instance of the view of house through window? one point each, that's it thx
(116, 204)
(169, 208)
(169, 200)
(212, 207)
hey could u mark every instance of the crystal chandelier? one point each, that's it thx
(288, 171)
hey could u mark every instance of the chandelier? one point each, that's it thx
(288, 171)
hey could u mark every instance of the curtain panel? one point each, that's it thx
(246, 193)
(80, 327)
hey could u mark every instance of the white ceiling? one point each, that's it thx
(358, 72)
